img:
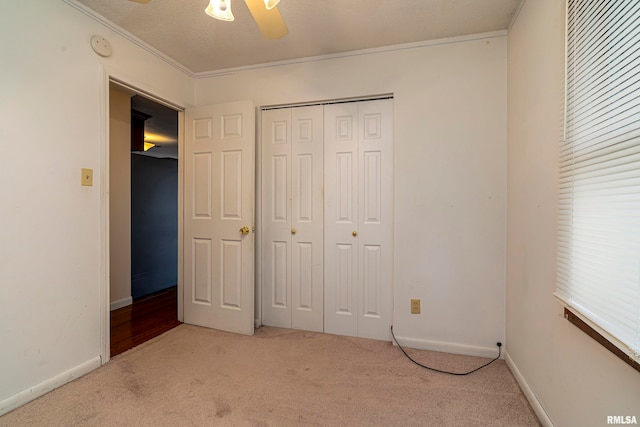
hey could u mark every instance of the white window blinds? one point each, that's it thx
(599, 206)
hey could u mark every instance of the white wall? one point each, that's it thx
(52, 119)
(576, 381)
(450, 174)
(119, 196)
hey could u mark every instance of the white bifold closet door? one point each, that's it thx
(358, 235)
(292, 218)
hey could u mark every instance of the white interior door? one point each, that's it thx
(359, 218)
(292, 218)
(218, 217)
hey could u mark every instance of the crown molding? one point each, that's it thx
(128, 36)
(354, 53)
(514, 18)
(226, 71)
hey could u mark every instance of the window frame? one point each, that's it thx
(572, 312)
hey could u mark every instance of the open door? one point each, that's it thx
(219, 217)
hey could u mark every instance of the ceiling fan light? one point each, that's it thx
(270, 4)
(220, 9)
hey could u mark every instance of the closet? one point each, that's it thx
(327, 218)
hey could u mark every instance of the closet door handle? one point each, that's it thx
(293, 231)
(244, 230)
(354, 233)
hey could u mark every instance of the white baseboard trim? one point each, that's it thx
(447, 347)
(120, 303)
(17, 400)
(542, 415)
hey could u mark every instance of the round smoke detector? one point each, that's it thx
(101, 46)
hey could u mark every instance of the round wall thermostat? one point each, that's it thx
(101, 46)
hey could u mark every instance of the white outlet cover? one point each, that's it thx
(101, 46)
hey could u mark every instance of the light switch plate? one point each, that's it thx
(87, 177)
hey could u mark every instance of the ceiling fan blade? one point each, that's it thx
(141, 1)
(269, 21)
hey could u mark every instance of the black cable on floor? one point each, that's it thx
(446, 372)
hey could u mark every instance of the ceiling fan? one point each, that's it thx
(264, 12)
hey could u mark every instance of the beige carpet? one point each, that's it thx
(194, 376)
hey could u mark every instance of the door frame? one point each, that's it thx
(110, 75)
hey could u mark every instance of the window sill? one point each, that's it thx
(584, 327)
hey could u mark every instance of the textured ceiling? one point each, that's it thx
(182, 31)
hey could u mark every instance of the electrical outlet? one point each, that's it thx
(415, 306)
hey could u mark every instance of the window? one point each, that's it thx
(599, 206)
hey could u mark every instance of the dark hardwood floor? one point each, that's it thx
(144, 319)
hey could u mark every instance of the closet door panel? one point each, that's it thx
(375, 217)
(307, 217)
(341, 224)
(276, 218)
(359, 218)
(293, 218)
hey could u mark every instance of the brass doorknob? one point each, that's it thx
(354, 233)
(244, 230)
(293, 231)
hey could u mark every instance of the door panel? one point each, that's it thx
(345, 269)
(303, 275)
(219, 194)
(231, 276)
(359, 218)
(375, 212)
(307, 218)
(280, 276)
(292, 218)
(201, 182)
(371, 269)
(231, 185)
(202, 279)
(276, 221)
(341, 254)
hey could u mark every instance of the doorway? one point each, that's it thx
(143, 218)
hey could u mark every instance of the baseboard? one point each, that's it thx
(120, 303)
(447, 347)
(542, 415)
(17, 400)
